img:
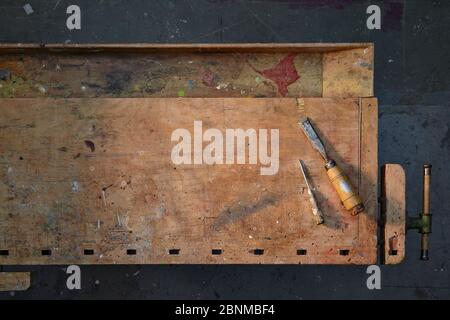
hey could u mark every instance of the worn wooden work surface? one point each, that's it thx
(92, 181)
(393, 213)
(321, 70)
(15, 281)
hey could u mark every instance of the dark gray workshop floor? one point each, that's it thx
(413, 86)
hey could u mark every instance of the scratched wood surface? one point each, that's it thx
(91, 181)
(394, 213)
(15, 281)
(313, 70)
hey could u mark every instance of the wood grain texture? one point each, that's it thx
(96, 175)
(139, 70)
(131, 74)
(348, 73)
(394, 211)
(15, 281)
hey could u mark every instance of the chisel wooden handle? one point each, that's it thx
(349, 198)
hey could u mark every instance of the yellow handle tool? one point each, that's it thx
(349, 197)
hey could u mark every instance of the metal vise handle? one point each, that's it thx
(423, 222)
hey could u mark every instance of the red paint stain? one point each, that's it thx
(283, 74)
(393, 16)
(209, 79)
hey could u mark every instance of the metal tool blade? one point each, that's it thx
(318, 215)
(304, 174)
(312, 136)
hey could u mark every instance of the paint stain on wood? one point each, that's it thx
(283, 74)
(90, 145)
(240, 211)
(209, 79)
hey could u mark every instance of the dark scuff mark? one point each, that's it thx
(209, 79)
(90, 145)
(63, 149)
(445, 142)
(241, 211)
(92, 85)
(118, 81)
(283, 74)
(5, 74)
(107, 187)
(77, 155)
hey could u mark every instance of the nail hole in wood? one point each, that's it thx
(302, 252)
(131, 252)
(258, 252)
(344, 252)
(174, 251)
(88, 252)
(46, 252)
(4, 253)
(216, 252)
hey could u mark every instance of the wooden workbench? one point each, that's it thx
(86, 174)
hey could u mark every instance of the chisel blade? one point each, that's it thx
(312, 136)
(318, 215)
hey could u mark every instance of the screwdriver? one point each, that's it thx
(349, 198)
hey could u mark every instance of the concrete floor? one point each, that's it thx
(412, 83)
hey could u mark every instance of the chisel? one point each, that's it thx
(349, 198)
(318, 215)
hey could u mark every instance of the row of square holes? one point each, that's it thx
(258, 252)
(87, 252)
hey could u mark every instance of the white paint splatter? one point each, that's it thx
(222, 85)
(41, 89)
(104, 197)
(28, 9)
(75, 186)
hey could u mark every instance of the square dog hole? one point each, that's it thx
(216, 252)
(344, 252)
(4, 253)
(393, 252)
(88, 252)
(131, 252)
(46, 252)
(258, 252)
(302, 252)
(174, 251)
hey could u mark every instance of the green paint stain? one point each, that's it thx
(181, 93)
(8, 89)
